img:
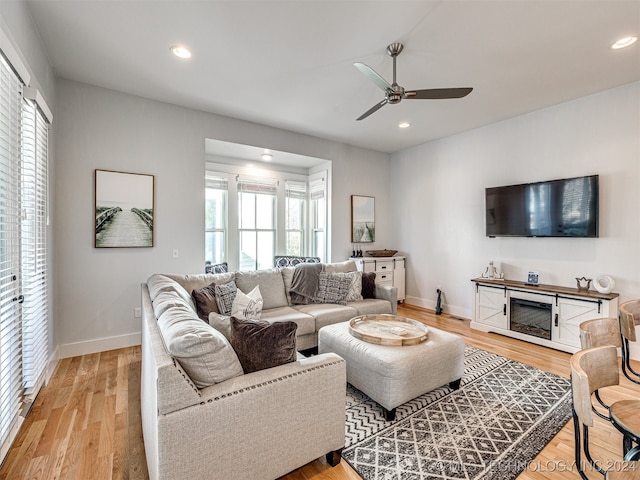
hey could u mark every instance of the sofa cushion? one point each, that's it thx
(333, 288)
(225, 294)
(371, 306)
(287, 278)
(369, 285)
(261, 344)
(328, 313)
(222, 323)
(203, 352)
(191, 281)
(247, 306)
(160, 283)
(271, 286)
(165, 300)
(306, 323)
(341, 267)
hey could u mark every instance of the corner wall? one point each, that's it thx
(98, 289)
(438, 199)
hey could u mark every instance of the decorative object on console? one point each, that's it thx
(362, 219)
(492, 272)
(123, 209)
(532, 279)
(583, 283)
(604, 283)
(381, 253)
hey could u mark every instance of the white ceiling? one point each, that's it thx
(289, 64)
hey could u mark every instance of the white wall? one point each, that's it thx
(98, 289)
(438, 199)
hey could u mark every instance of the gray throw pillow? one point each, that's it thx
(261, 344)
(225, 294)
(333, 288)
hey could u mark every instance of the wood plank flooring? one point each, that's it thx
(85, 424)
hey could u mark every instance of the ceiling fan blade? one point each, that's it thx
(373, 109)
(371, 74)
(438, 93)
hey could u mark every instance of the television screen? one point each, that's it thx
(557, 208)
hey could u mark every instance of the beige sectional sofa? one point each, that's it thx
(198, 424)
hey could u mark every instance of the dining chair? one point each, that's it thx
(629, 318)
(600, 332)
(591, 369)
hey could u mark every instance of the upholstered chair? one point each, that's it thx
(629, 319)
(592, 369)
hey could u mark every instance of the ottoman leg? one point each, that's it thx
(333, 457)
(455, 385)
(389, 415)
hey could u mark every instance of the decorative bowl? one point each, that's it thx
(381, 253)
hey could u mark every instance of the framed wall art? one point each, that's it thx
(363, 219)
(123, 209)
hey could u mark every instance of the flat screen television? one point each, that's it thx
(556, 208)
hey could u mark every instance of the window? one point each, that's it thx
(215, 218)
(24, 307)
(296, 199)
(257, 223)
(318, 218)
(251, 217)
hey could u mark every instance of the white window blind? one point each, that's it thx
(10, 308)
(34, 245)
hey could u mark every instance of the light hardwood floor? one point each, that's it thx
(85, 424)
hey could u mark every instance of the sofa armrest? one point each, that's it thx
(260, 425)
(387, 292)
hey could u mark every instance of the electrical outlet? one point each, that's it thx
(137, 312)
(176, 253)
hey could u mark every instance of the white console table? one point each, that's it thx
(389, 271)
(518, 310)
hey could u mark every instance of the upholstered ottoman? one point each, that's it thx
(393, 375)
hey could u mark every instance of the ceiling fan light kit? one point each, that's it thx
(394, 93)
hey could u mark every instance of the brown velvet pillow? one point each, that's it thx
(369, 285)
(205, 301)
(260, 344)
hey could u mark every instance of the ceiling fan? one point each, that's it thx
(393, 92)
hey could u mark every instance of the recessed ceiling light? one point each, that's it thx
(266, 156)
(404, 125)
(624, 42)
(180, 51)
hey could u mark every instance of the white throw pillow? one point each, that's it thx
(247, 306)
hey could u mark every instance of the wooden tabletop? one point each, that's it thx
(388, 330)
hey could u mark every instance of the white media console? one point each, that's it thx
(546, 315)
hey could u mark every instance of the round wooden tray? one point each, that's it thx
(388, 330)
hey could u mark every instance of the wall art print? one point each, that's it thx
(123, 209)
(362, 219)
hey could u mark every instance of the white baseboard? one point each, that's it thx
(98, 345)
(431, 305)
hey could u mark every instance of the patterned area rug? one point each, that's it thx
(491, 428)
